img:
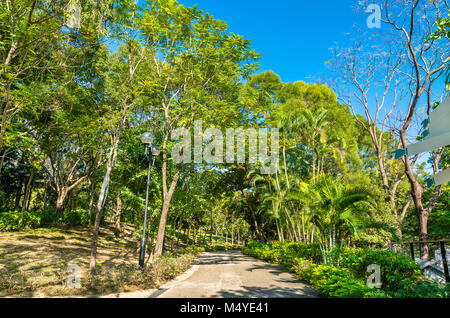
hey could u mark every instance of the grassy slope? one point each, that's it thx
(34, 263)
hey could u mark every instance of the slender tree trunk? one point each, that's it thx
(2, 161)
(101, 203)
(195, 235)
(27, 195)
(113, 155)
(18, 194)
(46, 195)
(91, 201)
(163, 219)
(294, 235)
(232, 231)
(238, 238)
(167, 197)
(303, 226)
(117, 227)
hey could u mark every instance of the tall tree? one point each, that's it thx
(194, 73)
(408, 67)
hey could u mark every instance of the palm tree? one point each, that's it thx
(338, 211)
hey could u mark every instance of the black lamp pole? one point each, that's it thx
(142, 252)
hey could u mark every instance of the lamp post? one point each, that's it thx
(147, 139)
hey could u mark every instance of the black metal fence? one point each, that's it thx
(436, 250)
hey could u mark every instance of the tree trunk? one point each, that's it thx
(61, 197)
(18, 194)
(91, 201)
(162, 227)
(423, 234)
(101, 203)
(46, 195)
(27, 195)
(117, 227)
(232, 234)
(167, 197)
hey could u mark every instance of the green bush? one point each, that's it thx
(48, 217)
(76, 217)
(194, 250)
(303, 268)
(421, 288)
(16, 220)
(222, 247)
(339, 282)
(347, 275)
(9, 221)
(376, 293)
(394, 267)
(283, 253)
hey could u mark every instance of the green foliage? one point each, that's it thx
(76, 217)
(422, 288)
(194, 250)
(395, 268)
(16, 220)
(346, 275)
(222, 247)
(303, 268)
(337, 282)
(283, 253)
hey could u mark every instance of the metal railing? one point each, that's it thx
(416, 249)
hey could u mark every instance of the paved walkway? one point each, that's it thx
(235, 275)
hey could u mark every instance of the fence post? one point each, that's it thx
(411, 245)
(444, 262)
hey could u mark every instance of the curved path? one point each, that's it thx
(235, 275)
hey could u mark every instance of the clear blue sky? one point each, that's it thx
(294, 35)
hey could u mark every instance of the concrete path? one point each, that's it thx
(235, 275)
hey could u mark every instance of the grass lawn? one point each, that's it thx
(34, 263)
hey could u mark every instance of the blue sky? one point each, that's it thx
(294, 35)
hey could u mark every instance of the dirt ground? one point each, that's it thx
(34, 263)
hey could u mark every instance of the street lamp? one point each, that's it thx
(147, 139)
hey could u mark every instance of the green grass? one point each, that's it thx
(34, 262)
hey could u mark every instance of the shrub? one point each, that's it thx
(338, 282)
(303, 268)
(194, 250)
(421, 288)
(325, 278)
(16, 220)
(394, 267)
(346, 276)
(76, 217)
(222, 247)
(48, 217)
(376, 293)
(9, 221)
